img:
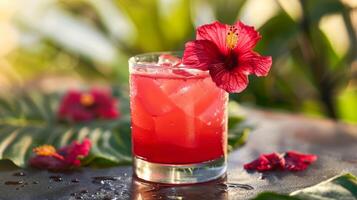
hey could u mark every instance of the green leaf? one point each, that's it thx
(338, 187)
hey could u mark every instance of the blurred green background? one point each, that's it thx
(56, 44)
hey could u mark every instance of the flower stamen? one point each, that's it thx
(47, 150)
(232, 37)
(87, 99)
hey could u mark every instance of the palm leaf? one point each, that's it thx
(27, 121)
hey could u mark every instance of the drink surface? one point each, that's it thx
(177, 119)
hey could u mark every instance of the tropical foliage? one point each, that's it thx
(313, 69)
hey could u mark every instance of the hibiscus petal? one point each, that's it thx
(200, 54)
(296, 161)
(277, 161)
(260, 164)
(48, 162)
(292, 161)
(74, 151)
(247, 37)
(230, 81)
(215, 32)
(253, 63)
(266, 162)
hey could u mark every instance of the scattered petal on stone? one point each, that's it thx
(292, 161)
(47, 157)
(295, 161)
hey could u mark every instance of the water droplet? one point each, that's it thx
(19, 174)
(14, 182)
(101, 179)
(35, 182)
(79, 197)
(56, 178)
(83, 191)
(76, 180)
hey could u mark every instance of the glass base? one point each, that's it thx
(180, 174)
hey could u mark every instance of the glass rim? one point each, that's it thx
(134, 62)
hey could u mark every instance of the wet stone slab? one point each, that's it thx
(334, 143)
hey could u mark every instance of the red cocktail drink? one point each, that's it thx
(178, 116)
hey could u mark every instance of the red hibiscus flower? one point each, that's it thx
(85, 106)
(291, 160)
(226, 51)
(47, 157)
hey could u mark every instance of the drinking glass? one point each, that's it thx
(178, 121)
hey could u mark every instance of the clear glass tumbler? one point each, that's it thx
(178, 121)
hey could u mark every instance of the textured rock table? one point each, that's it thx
(334, 143)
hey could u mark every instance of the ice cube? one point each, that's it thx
(214, 114)
(140, 116)
(176, 128)
(194, 95)
(168, 60)
(153, 99)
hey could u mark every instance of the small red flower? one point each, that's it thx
(226, 51)
(47, 157)
(292, 161)
(85, 106)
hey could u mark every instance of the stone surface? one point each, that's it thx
(334, 143)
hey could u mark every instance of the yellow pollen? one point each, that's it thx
(87, 99)
(232, 37)
(45, 150)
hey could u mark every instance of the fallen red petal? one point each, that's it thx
(266, 162)
(291, 161)
(296, 161)
(74, 151)
(70, 157)
(260, 164)
(276, 160)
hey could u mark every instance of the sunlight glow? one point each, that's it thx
(334, 27)
(257, 12)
